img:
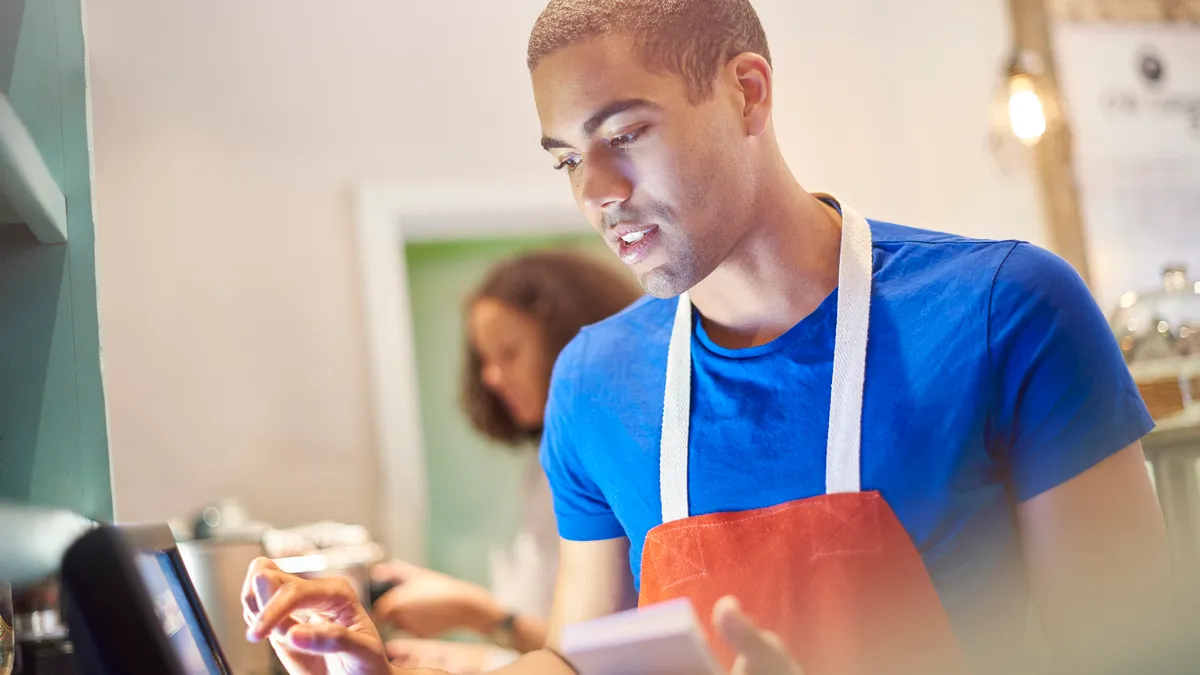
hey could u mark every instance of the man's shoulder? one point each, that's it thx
(1028, 257)
(925, 254)
(890, 235)
(1007, 269)
(918, 263)
(1009, 278)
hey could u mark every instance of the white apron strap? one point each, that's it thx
(842, 458)
(843, 471)
(677, 408)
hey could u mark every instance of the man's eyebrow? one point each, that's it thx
(599, 118)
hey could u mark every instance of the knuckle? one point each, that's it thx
(285, 593)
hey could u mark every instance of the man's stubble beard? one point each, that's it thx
(682, 271)
(663, 283)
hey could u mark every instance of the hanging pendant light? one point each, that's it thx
(1025, 111)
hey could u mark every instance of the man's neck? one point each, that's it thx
(781, 271)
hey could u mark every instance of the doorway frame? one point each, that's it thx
(389, 215)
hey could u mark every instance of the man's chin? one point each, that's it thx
(664, 283)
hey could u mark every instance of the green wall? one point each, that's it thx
(53, 437)
(472, 483)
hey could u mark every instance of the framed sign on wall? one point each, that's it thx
(1132, 91)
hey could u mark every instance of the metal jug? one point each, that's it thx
(217, 568)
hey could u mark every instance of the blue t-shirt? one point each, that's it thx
(992, 376)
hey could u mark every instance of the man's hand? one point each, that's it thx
(759, 652)
(316, 627)
(427, 604)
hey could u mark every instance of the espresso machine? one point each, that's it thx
(33, 634)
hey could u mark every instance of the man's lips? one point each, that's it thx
(634, 242)
(629, 233)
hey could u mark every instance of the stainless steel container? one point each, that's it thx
(218, 568)
(1173, 450)
(352, 562)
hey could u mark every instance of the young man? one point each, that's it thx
(884, 442)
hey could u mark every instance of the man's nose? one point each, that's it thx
(603, 184)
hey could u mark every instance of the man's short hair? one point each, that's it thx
(690, 38)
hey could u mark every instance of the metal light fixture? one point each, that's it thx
(1029, 130)
(1025, 111)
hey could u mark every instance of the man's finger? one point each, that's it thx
(761, 651)
(332, 638)
(267, 584)
(279, 599)
(249, 600)
(265, 588)
(292, 594)
(278, 608)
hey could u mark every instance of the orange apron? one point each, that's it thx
(836, 576)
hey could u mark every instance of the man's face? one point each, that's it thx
(663, 180)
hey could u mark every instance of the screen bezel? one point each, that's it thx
(158, 538)
(111, 617)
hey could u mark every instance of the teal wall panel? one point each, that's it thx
(53, 435)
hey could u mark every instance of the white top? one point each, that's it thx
(523, 573)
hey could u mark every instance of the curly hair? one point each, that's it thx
(563, 291)
(690, 38)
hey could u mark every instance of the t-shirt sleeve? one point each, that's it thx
(580, 508)
(1064, 399)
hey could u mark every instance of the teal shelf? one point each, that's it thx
(28, 192)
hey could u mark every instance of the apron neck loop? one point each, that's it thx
(842, 459)
(677, 409)
(843, 456)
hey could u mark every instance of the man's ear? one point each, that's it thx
(754, 81)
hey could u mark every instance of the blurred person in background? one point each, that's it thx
(518, 320)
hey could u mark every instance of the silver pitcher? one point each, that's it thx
(217, 568)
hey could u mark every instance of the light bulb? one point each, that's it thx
(1025, 111)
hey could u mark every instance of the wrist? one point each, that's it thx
(504, 633)
(489, 616)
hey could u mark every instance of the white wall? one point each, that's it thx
(229, 133)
